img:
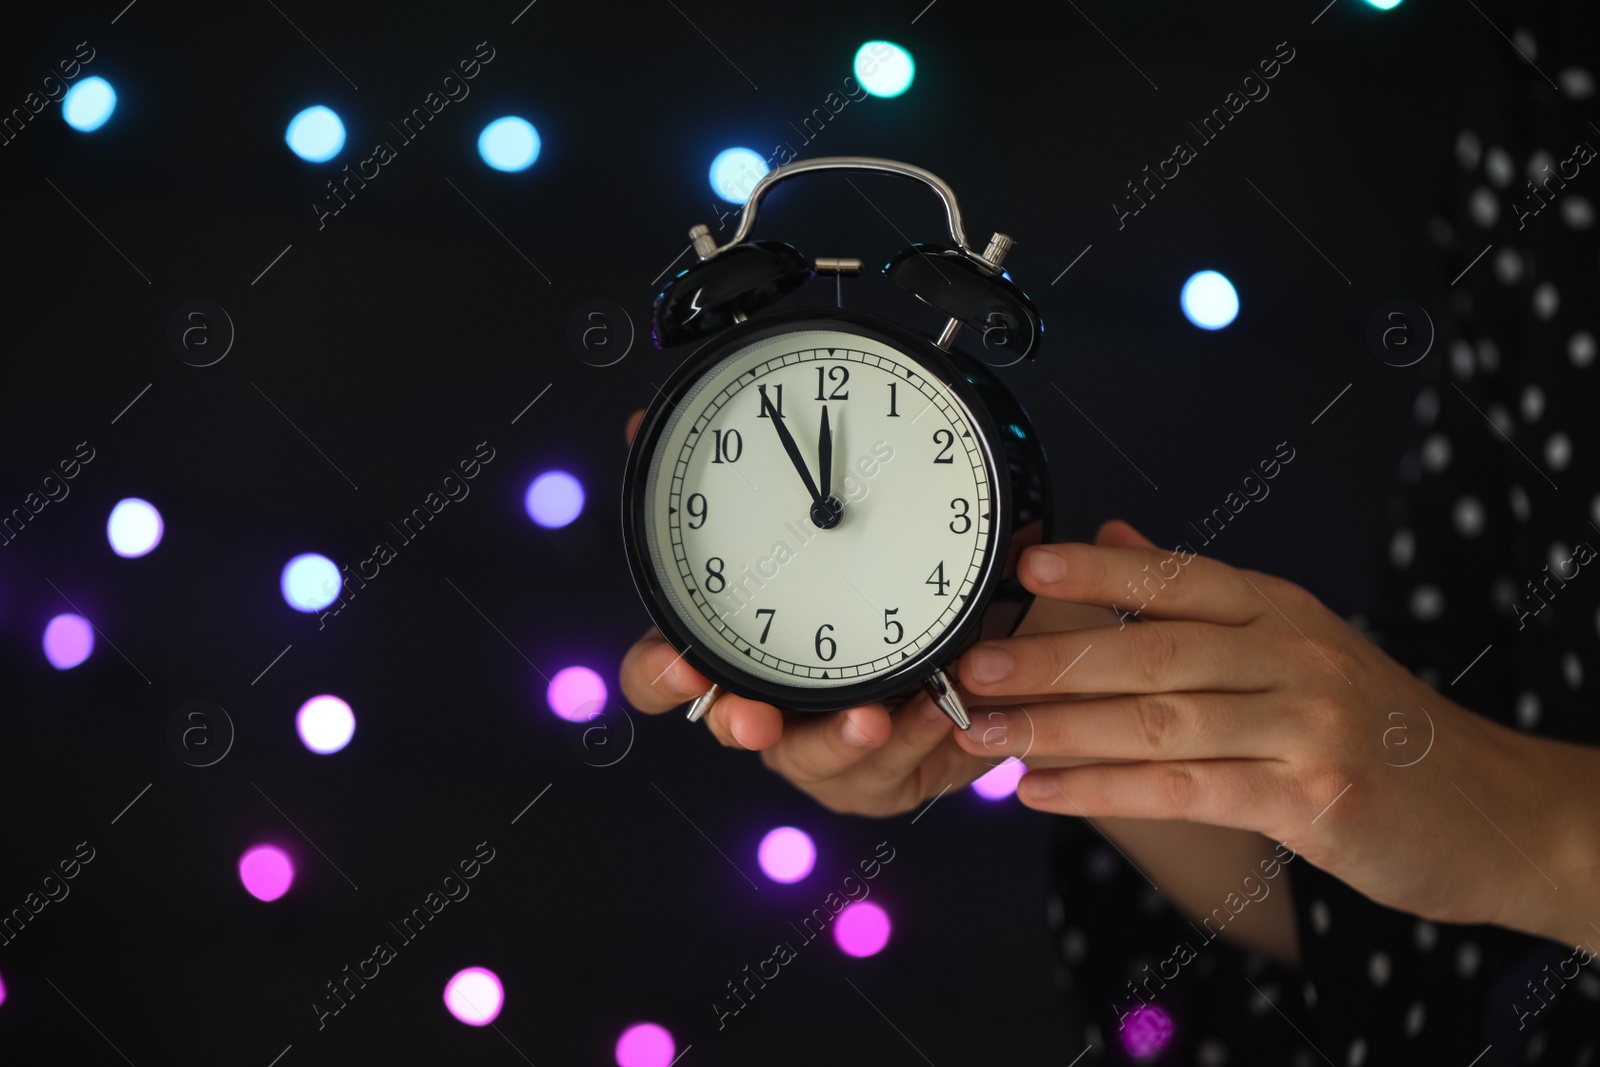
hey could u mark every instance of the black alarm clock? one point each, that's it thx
(823, 509)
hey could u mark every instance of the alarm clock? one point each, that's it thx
(823, 509)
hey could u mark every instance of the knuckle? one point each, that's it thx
(1179, 786)
(1159, 722)
(1154, 649)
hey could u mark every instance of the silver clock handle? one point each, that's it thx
(869, 164)
(703, 702)
(944, 694)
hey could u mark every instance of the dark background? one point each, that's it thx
(408, 330)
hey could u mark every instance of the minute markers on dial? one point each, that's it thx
(905, 523)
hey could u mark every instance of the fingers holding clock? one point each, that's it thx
(1141, 578)
(655, 678)
(1144, 726)
(818, 748)
(740, 722)
(1150, 657)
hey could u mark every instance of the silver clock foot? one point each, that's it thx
(703, 702)
(944, 694)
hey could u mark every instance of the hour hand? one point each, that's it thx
(825, 457)
(789, 446)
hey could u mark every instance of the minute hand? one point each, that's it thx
(789, 446)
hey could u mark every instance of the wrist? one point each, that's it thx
(1563, 820)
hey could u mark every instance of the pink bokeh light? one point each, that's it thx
(645, 1045)
(1001, 781)
(862, 929)
(577, 694)
(475, 996)
(266, 872)
(2, 991)
(1146, 1032)
(787, 854)
(68, 640)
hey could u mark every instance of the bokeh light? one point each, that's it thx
(325, 724)
(1209, 300)
(266, 872)
(509, 144)
(68, 640)
(645, 1045)
(862, 929)
(554, 499)
(735, 172)
(1383, 5)
(577, 694)
(310, 582)
(2, 991)
(475, 996)
(315, 135)
(884, 68)
(134, 528)
(88, 105)
(1146, 1032)
(1001, 781)
(786, 854)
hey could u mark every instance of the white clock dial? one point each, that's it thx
(755, 579)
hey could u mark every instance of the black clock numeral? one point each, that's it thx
(899, 631)
(714, 574)
(893, 414)
(840, 376)
(833, 646)
(938, 580)
(770, 613)
(773, 404)
(949, 440)
(729, 446)
(697, 513)
(962, 508)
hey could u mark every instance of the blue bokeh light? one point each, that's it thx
(89, 104)
(310, 582)
(1383, 5)
(554, 499)
(509, 144)
(315, 135)
(1209, 300)
(734, 173)
(884, 69)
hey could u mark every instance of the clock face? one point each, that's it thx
(819, 509)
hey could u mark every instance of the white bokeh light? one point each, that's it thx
(310, 582)
(1209, 300)
(134, 528)
(325, 724)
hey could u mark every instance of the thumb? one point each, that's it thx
(1118, 534)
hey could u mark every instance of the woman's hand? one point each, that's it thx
(1239, 700)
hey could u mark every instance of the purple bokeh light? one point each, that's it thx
(577, 694)
(554, 499)
(645, 1045)
(786, 854)
(2, 991)
(1146, 1032)
(68, 640)
(266, 872)
(862, 929)
(1001, 781)
(475, 996)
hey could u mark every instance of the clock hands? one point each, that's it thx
(825, 456)
(826, 511)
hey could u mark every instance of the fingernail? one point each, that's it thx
(1035, 786)
(1046, 566)
(989, 664)
(853, 734)
(733, 728)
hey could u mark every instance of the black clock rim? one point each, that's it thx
(914, 670)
